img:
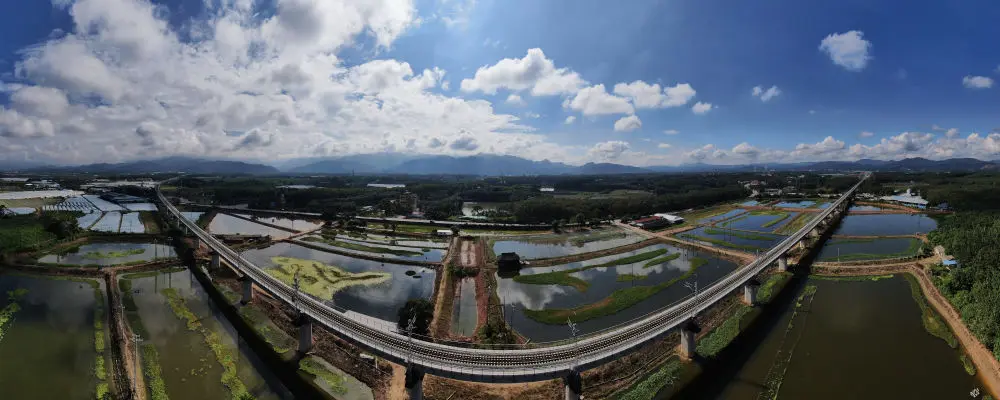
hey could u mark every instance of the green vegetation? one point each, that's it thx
(150, 274)
(932, 321)
(225, 356)
(277, 338)
(970, 368)
(630, 277)
(8, 312)
(722, 243)
(660, 260)
(773, 282)
(774, 222)
(154, 375)
(421, 311)
(150, 221)
(360, 247)
(973, 238)
(103, 391)
(721, 336)
(335, 381)
(36, 202)
(97, 255)
(795, 224)
(563, 277)
(912, 250)
(321, 280)
(618, 300)
(739, 234)
(665, 376)
(776, 373)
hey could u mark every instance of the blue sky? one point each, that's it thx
(283, 79)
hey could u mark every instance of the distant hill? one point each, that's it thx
(608, 169)
(170, 164)
(483, 164)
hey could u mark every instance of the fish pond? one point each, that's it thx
(795, 204)
(838, 249)
(368, 287)
(549, 246)
(885, 224)
(229, 225)
(389, 252)
(861, 338)
(734, 239)
(300, 225)
(189, 350)
(759, 221)
(539, 300)
(465, 314)
(106, 254)
(53, 340)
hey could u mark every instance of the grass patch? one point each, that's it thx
(225, 356)
(563, 277)
(150, 221)
(768, 289)
(23, 232)
(970, 368)
(102, 391)
(321, 280)
(932, 322)
(739, 234)
(647, 389)
(618, 300)
(597, 237)
(630, 277)
(795, 224)
(660, 260)
(97, 255)
(775, 221)
(154, 375)
(335, 381)
(721, 336)
(278, 339)
(723, 243)
(8, 312)
(361, 247)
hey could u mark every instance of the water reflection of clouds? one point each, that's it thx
(529, 296)
(67, 303)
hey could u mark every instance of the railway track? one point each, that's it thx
(512, 363)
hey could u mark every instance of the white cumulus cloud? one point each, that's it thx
(595, 100)
(515, 100)
(570, 119)
(534, 72)
(629, 123)
(701, 108)
(977, 82)
(849, 49)
(765, 95)
(644, 95)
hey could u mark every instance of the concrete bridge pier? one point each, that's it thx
(783, 260)
(215, 260)
(573, 385)
(305, 325)
(750, 292)
(247, 290)
(415, 383)
(197, 243)
(688, 332)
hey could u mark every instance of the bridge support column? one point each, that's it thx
(573, 385)
(750, 292)
(305, 333)
(783, 261)
(415, 383)
(688, 345)
(247, 290)
(814, 233)
(802, 244)
(197, 243)
(215, 260)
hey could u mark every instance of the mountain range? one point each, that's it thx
(482, 165)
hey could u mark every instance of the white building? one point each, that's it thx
(673, 219)
(443, 232)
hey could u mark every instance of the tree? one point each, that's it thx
(3, 210)
(423, 310)
(455, 230)
(555, 226)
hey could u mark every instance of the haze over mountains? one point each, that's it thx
(483, 164)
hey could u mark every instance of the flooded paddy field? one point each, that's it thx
(368, 287)
(106, 254)
(731, 238)
(549, 246)
(838, 249)
(52, 338)
(885, 224)
(539, 300)
(188, 349)
(386, 251)
(230, 225)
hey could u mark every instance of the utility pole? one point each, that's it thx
(576, 344)
(693, 286)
